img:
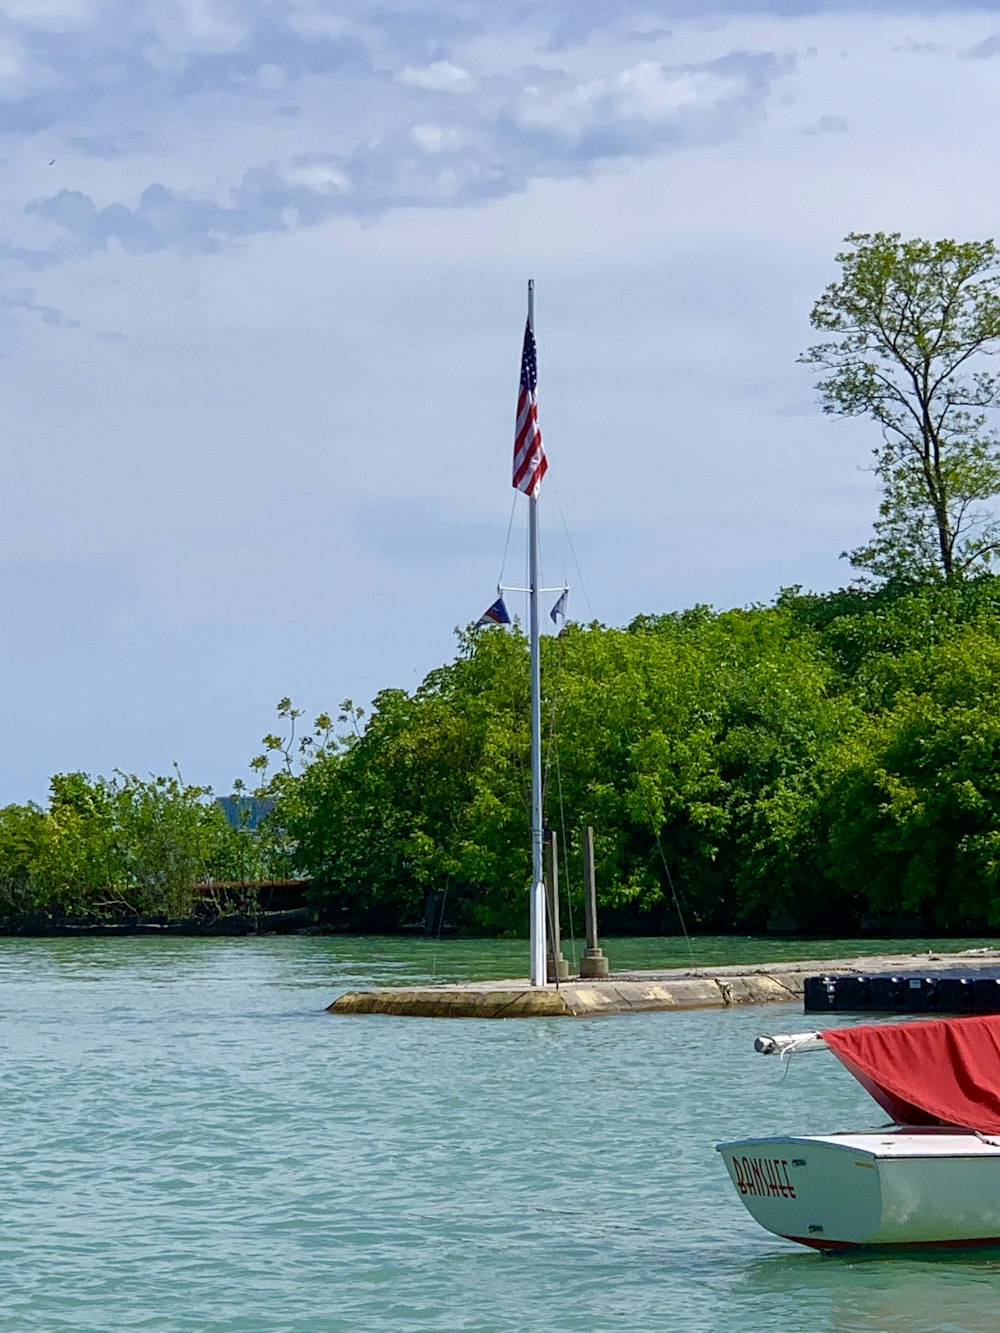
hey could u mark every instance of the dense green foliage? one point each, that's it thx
(825, 762)
(122, 847)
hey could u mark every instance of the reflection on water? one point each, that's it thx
(936, 1292)
(191, 1142)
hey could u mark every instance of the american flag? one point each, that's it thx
(530, 463)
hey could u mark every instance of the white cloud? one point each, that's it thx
(438, 138)
(649, 91)
(317, 175)
(473, 153)
(441, 76)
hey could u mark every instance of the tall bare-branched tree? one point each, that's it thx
(911, 326)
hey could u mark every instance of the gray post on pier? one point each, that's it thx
(593, 963)
(558, 968)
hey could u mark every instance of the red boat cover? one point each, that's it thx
(942, 1072)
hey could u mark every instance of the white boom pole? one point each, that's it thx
(538, 941)
(785, 1043)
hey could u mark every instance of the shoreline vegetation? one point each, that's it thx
(271, 907)
(827, 764)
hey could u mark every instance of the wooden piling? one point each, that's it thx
(593, 963)
(558, 967)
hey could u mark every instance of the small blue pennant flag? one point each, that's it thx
(494, 615)
(560, 607)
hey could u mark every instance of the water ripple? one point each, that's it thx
(190, 1142)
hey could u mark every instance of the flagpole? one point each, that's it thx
(539, 968)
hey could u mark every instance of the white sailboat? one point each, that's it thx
(929, 1178)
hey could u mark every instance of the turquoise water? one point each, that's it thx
(190, 1142)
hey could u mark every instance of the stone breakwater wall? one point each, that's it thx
(572, 999)
(637, 992)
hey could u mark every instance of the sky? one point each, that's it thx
(262, 289)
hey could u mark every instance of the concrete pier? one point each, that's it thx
(639, 992)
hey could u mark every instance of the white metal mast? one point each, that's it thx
(539, 962)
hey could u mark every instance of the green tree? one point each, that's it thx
(817, 762)
(167, 835)
(111, 845)
(913, 794)
(429, 793)
(911, 323)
